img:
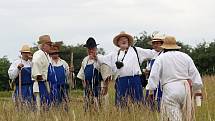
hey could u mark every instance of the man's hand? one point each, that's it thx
(39, 77)
(20, 66)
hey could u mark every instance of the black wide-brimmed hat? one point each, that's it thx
(91, 43)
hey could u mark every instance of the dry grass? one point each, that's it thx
(76, 112)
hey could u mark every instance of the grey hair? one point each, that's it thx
(40, 46)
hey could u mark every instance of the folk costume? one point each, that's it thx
(41, 66)
(59, 90)
(158, 92)
(23, 76)
(175, 69)
(128, 82)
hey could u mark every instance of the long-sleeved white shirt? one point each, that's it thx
(63, 63)
(13, 71)
(103, 68)
(174, 66)
(85, 62)
(131, 65)
(40, 64)
(148, 66)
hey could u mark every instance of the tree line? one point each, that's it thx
(203, 56)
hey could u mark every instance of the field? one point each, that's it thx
(76, 113)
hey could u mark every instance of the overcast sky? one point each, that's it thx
(73, 21)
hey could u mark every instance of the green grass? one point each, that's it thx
(76, 113)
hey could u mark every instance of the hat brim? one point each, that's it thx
(25, 51)
(155, 40)
(169, 47)
(130, 39)
(88, 46)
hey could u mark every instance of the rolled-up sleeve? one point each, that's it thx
(195, 76)
(13, 71)
(80, 74)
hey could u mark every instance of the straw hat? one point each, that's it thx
(170, 43)
(157, 38)
(123, 34)
(25, 49)
(56, 47)
(44, 39)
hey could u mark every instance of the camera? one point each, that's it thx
(119, 64)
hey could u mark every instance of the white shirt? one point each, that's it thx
(85, 62)
(63, 63)
(174, 66)
(148, 66)
(131, 65)
(40, 64)
(13, 71)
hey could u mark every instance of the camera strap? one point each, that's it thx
(138, 58)
(123, 56)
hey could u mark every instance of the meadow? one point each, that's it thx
(76, 113)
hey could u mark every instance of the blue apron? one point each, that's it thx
(26, 87)
(45, 96)
(60, 86)
(92, 78)
(128, 87)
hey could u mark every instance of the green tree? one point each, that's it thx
(204, 57)
(4, 79)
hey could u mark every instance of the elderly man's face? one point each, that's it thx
(156, 45)
(123, 42)
(25, 55)
(92, 51)
(47, 47)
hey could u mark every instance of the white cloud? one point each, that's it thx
(75, 20)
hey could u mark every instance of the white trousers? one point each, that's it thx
(176, 102)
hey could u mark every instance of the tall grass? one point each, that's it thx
(76, 113)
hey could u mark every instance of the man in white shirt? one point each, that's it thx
(178, 77)
(59, 90)
(156, 43)
(20, 73)
(125, 64)
(92, 73)
(41, 63)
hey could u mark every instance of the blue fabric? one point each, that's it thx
(92, 78)
(60, 74)
(25, 76)
(159, 96)
(129, 86)
(151, 62)
(59, 91)
(44, 94)
(45, 97)
(53, 96)
(27, 85)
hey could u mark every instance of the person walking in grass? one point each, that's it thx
(156, 43)
(179, 78)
